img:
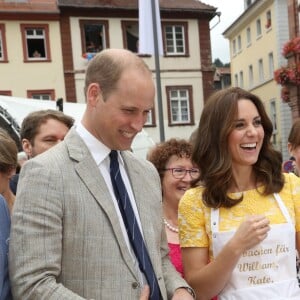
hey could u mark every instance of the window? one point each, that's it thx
(3, 51)
(269, 20)
(175, 39)
(180, 105)
(5, 93)
(236, 80)
(234, 47)
(130, 35)
(239, 43)
(248, 36)
(258, 28)
(94, 35)
(241, 79)
(261, 70)
(250, 76)
(36, 45)
(41, 94)
(273, 117)
(271, 65)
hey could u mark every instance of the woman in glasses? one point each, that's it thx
(244, 217)
(172, 159)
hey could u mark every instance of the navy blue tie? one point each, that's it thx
(132, 227)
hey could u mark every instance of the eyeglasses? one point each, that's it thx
(179, 173)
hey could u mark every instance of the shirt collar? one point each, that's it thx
(98, 150)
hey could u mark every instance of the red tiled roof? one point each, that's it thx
(52, 6)
(223, 70)
(45, 6)
(133, 4)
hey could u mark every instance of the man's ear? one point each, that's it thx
(93, 94)
(27, 147)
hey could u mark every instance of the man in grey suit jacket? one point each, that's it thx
(68, 238)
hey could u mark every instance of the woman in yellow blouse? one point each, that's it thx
(240, 227)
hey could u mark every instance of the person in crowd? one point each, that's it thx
(91, 208)
(289, 165)
(293, 164)
(243, 214)
(36, 54)
(41, 130)
(294, 147)
(5, 292)
(172, 160)
(13, 182)
(8, 164)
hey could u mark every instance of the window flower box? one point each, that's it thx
(268, 24)
(292, 47)
(288, 75)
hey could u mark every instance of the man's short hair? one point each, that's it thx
(106, 69)
(32, 122)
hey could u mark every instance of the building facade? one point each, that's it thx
(292, 54)
(256, 40)
(30, 50)
(56, 39)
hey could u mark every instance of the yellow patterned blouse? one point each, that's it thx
(194, 216)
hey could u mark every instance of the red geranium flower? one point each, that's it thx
(288, 75)
(291, 47)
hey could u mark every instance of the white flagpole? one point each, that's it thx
(150, 42)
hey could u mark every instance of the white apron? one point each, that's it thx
(266, 271)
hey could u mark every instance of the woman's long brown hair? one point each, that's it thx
(211, 152)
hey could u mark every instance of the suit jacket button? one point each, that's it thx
(135, 285)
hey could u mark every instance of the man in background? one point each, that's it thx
(41, 130)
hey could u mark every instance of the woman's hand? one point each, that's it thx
(250, 233)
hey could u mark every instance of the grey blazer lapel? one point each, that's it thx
(89, 173)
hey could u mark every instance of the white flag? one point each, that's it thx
(146, 36)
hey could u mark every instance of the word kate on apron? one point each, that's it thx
(266, 271)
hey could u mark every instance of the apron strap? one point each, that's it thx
(283, 209)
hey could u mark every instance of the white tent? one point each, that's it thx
(13, 110)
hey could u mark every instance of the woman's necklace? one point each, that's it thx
(172, 228)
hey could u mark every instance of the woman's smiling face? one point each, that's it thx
(173, 189)
(246, 139)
